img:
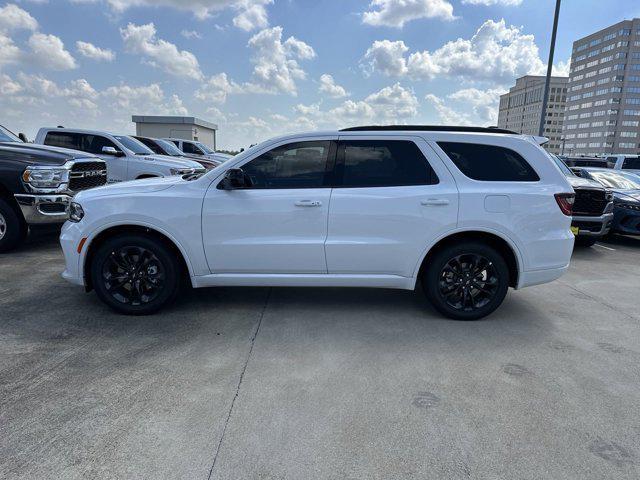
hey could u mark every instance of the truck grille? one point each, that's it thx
(85, 175)
(590, 202)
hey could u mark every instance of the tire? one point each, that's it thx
(135, 274)
(458, 296)
(12, 228)
(586, 241)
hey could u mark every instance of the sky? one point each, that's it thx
(261, 68)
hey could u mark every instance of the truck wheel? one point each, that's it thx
(135, 274)
(467, 281)
(586, 241)
(12, 229)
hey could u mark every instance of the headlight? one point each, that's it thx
(629, 206)
(182, 171)
(45, 177)
(76, 213)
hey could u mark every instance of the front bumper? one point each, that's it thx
(43, 209)
(593, 226)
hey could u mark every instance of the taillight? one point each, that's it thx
(565, 202)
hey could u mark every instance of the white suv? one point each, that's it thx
(466, 211)
(126, 157)
(630, 163)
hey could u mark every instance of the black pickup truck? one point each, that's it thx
(37, 184)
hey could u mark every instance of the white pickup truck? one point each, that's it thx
(126, 157)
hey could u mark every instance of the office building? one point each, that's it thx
(603, 99)
(521, 108)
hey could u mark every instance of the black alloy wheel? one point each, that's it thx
(135, 274)
(467, 281)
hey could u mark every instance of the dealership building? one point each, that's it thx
(184, 128)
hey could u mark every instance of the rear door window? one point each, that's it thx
(489, 163)
(631, 164)
(63, 140)
(382, 163)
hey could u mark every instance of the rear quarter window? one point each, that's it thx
(631, 164)
(489, 163)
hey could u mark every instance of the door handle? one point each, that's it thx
(308, 203)
(434, 202)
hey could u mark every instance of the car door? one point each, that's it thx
(277, 223)
(393, 198)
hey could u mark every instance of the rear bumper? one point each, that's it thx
(44, 209)
(538, 277)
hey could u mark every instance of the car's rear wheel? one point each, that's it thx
(135, 274)
(466, 281)
(12, 229)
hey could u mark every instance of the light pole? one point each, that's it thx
(552, 49)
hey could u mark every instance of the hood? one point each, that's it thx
(626, 195)
(36, 154)
(147, 185)
(579, 182)
(171, 162)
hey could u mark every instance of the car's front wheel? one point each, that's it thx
(467, 281)
(135, 274)
(12, 228)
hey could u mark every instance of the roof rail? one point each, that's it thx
(428, 128)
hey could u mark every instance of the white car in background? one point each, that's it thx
(198, 149)
(628, 163)
(126, 157)
(465, 212)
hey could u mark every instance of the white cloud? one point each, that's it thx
(9, 52)
(448, 115)
(191, 34)
(89, 50)
(8, 86)
(469, 106)
(328, 86)
(253, 14)
(276, 67)
(506, 3)
(395, 13)
(561, 69)
(217, 89)
(141, 39)
(496, 53)
(13, 17)
(47, 51)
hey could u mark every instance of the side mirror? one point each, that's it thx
(112, 151)
(23, 137)
(233, 179)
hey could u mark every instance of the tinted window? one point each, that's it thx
(63, 140)
(296, 165)
(151, 145)
(133, 145)
(95, 143)
(7, 136)
(190, 148)
(383, 163)
(631, 163)
(489, 163)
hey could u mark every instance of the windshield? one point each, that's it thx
(133, 145)
(563, 166)
(204, 148)
(617, 180)
(7, 136)
(169, 148)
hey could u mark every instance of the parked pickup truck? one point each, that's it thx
(126, 157)
(37, 184)
(592, 209)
